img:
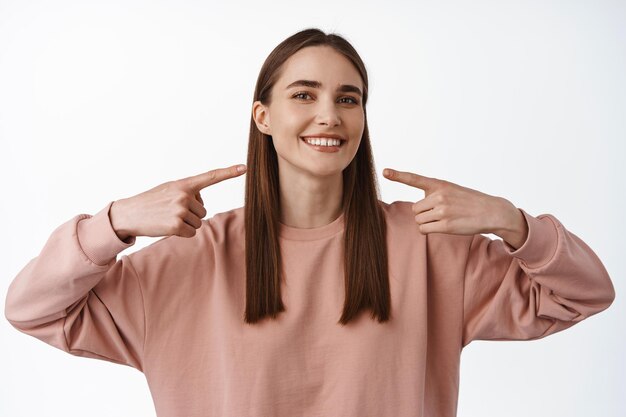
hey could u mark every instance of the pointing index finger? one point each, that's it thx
(200, 181)
(409, 178)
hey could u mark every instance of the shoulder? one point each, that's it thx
(223, 227)
(400, 220)
(399, 213)
(396, 208)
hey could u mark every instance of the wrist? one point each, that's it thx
(116, 218)
(513, 228)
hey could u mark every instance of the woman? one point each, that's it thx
(259, 311)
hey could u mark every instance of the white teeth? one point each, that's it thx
(323, 141)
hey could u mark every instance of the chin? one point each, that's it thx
(327, 172)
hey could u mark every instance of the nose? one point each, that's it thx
(327, 113)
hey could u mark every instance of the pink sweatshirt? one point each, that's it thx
(174, 311)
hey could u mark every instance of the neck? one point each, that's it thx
(307, 202)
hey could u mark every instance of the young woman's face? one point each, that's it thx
(318, 93)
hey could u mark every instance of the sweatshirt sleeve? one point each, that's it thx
(551, 282)
(76, 296)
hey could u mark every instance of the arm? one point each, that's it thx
(77, 297)
(549, 283)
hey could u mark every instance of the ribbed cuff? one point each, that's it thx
(97, 238)
(541, 243)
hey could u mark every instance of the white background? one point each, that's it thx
(524, 100)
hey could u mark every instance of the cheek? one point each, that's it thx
(285, 134)
(290, 122)
(357, 126)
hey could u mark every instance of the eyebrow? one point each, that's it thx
(343, 88)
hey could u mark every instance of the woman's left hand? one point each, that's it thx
(451, 208)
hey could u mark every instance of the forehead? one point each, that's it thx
(319, 63)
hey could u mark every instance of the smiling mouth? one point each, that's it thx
(341, 142)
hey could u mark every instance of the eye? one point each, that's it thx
(351, 100)
(354, 101)
(300, 94)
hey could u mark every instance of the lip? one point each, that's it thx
(319, 148)
(325, 135)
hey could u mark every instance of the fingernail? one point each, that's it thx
(241, 168)
(386, 172)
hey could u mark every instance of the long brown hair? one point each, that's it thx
(365, 248)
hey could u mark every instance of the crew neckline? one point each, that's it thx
(315, 233)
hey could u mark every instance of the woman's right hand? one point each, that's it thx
(172, 208)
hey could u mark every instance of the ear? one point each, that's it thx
(261, 116)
